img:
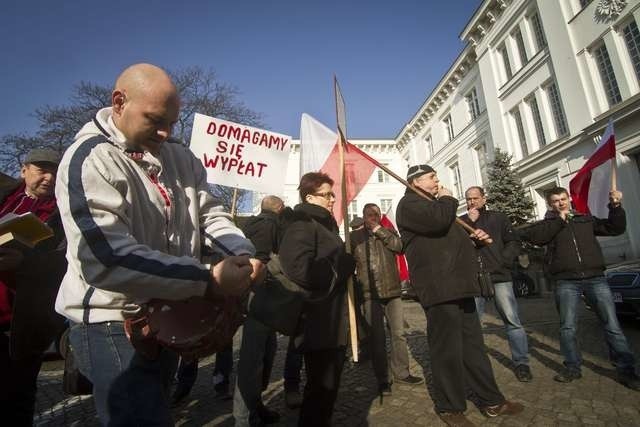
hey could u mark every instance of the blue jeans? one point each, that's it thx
(128, 389)
(598, 295)
(507, 308)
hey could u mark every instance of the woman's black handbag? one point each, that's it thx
(278, 302)
(484, 281)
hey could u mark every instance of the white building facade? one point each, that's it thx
(540, 80)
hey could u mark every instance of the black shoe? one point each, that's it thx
(292, 398)
(179, 395)
(631, 381)
(523, 373)
(567, 375)
(410, 379)
(384, 389)
(267, 416)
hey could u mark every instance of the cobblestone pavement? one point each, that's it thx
(596, 399)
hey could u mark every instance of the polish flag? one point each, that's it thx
(590, 187)
(319, 152)
(388, 221)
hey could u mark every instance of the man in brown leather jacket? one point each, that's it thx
(375, 248)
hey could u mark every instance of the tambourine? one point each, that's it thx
(193, 328)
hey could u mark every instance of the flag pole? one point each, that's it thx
(353, 326)
(234, 200)
(614, 174)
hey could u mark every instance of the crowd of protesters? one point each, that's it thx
(133, 220)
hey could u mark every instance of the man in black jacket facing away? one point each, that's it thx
(258, 348)
(498, 259)
(577, 266)
(443, 270)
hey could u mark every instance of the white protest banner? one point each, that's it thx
(241, 156)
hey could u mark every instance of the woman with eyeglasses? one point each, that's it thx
(312, 254)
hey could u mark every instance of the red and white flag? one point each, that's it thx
(388, 221)
(319, 152)
(590, 187)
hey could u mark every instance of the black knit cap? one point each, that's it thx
(418, 170)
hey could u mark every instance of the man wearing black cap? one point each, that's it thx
(443, 270)
(29, 281)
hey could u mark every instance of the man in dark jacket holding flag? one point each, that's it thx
(443, 270)
(576, 264)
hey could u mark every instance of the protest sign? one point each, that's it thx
(240, 156)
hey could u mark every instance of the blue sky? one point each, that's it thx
(280, 54)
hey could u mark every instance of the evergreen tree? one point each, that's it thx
(505, 192)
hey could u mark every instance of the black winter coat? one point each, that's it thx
(499, 256)
(34, 323)
(442, 260)
(263, 231)
(309, 254)
(573, 252)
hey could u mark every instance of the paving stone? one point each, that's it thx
(596, 399)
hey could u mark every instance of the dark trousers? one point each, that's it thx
(292, 367)
(188, 371)
(18, 391)
(459, 362)
(324, 368)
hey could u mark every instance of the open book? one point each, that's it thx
(25, 229)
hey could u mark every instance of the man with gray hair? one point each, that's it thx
(498, 258)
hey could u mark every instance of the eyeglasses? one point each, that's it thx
(328, 195)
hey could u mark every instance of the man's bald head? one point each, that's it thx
(272, 204)
(145, 105)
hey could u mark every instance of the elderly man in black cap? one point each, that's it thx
(443, 270)
(29, 281)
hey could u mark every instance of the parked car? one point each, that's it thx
(624, 282)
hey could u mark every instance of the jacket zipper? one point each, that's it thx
(575, 244)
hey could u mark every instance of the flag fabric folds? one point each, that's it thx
(319, 151)
(590, 186)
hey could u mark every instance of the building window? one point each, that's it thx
(448, 127)
(352, 210)
(473, 105)
(456, 180)
(429, 143)
(541, 42)
(522, 52)
(385, 205)
(559, 119)
(607, 75)
(502, 50)
(382, 175)
(632, 39)
(522, 138)
(481, 157)
(537, 120)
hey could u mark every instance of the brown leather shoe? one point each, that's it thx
(505, 408)
(455, 419)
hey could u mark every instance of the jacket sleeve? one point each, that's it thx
(390, 239)
(541, 232)
(265, 239)
(614, 225)
(221, 234)
(101, 246)
(298, 258)
(511, 242)
(428, 217)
